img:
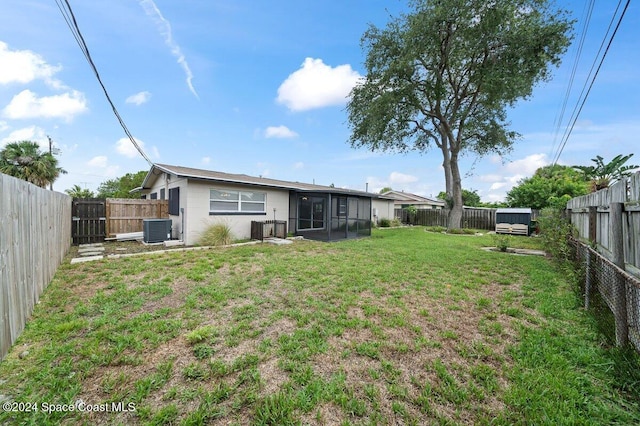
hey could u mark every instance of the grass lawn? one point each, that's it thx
(405, 327)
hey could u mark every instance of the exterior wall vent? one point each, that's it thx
(156, 230)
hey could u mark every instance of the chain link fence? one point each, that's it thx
(612, 294)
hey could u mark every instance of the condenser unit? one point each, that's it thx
(156, 230)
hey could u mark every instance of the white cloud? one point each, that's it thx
(31, 133)
(24, 66)
(26, 105)
(396, 178)
(316, 85)
(527, 165)
(164, 27)
(490, 178)
(139, 98)
(280, 132)
(299, 165)
(497, 185)
(3, 126)
(125, 147)
(98, 161)
(205, 160)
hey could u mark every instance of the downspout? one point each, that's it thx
(182, 224)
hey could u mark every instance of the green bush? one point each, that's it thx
(218, 234)
(555, 231)
(435, 229)
(396, 222)
(502, 241)
(461, 231)
(384, 223)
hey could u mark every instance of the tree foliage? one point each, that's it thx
(550, 186)
(602, 175)
(469, 198)
(446, 73)
(121, 187)
(385, 189)
(24, 160)
(78, 192)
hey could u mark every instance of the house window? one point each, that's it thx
(154, 196)
(174, 201)
(162, 194)
(224, 201)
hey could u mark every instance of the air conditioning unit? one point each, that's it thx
(156, 230)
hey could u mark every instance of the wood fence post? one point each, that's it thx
(619, 291)
(593, 219)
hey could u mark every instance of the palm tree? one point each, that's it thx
(603, 175)
(78, 192)
(24, 160)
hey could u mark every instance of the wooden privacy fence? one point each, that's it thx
(94, 219)
(610, 221)
(35, 235)
(476, 218)
(88, 220)
(125, 215)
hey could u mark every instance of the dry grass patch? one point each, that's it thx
(375, 331)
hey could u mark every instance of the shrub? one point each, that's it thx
(502, 242)
(467, 231)
(396, 222)
(435, 229)
(555, 231)
(384, 223)
(218, 234)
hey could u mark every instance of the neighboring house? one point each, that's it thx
(405, 199)
(199, 198)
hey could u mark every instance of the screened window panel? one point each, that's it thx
(304, 224)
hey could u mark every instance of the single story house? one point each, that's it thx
(405, 199)
(199, 198)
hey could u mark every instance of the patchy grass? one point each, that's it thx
(405, 327)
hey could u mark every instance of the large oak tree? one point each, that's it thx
(446, 73)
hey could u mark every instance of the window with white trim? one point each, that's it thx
(226, 201)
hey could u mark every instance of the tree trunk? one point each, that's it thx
(455, 214)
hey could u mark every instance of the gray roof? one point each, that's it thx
(201, 174)
(514, 210)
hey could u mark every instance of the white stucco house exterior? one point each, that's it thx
(199, 198)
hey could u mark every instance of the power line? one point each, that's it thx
(578, 110)
(588, 13)
(70, 19)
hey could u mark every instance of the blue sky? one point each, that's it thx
(259, 87)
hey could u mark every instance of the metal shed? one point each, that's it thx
(515, 221)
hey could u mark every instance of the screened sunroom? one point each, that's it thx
(329, 216)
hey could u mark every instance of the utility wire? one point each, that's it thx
(560, 118)
(577, 111)
(70, 19)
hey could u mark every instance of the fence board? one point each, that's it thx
(624, 191)
(35, 235)
(125, 215)
(475, 218)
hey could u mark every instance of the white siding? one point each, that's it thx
(197, 210)
(173, 182)
(384, 208)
